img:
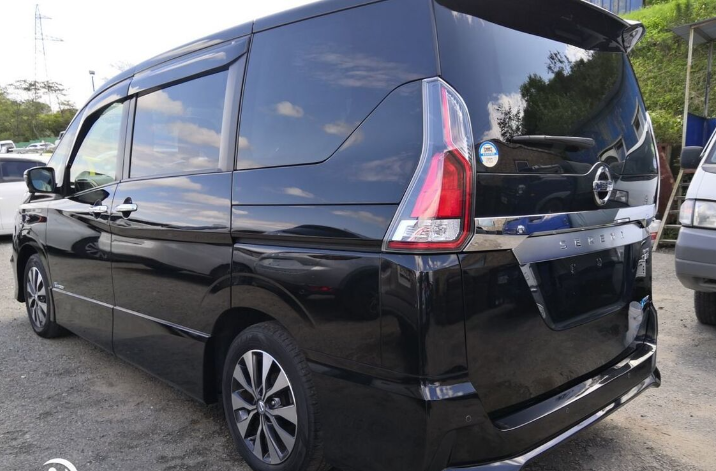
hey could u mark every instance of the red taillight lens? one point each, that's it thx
(435, 213)
(454, 189)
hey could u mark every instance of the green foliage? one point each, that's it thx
(570, 95)
(24, 117)
(660, 64)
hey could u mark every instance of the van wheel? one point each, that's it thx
(38, 299)
(270, 402)
(705, 304)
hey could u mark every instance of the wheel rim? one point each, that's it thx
(36, 295)
(264, 407)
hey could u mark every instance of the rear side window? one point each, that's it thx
(520, 87)
(13, 171)
(310, 84)
(177, 130)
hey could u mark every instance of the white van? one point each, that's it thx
(6, 147)
(696, 246)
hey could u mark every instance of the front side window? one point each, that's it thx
(95, 163)
(62, 152)
(711, 148)
(177, 130)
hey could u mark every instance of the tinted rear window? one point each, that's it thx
(310, 84)
(519, 84)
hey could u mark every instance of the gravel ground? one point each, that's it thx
(67, 399)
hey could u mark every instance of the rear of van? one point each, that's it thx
(540, 171)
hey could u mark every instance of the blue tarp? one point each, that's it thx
(699, 129)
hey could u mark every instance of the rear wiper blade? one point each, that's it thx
(569, 141)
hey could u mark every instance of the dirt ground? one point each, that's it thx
(66, 399)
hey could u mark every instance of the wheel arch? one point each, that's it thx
(27, 250)
(227, 327)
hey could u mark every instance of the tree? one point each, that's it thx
(659, 61)
(565, 100)
(24, 117)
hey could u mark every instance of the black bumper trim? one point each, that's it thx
(516, 463)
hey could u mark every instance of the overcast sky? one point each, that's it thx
(105, 36)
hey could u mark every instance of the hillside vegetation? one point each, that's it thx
(660, 64)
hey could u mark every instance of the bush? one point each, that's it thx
(660, 64)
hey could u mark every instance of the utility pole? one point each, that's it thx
(40, 39)
(91, 72)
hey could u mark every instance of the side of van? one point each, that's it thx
(387, 235)
(696, 245)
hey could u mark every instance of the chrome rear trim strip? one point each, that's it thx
(553, 247)
(508, 233)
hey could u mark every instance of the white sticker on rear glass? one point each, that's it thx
(489, 155)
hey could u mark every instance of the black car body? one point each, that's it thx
(415, 192)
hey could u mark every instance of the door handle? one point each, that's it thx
(126, 208)
(98, 210)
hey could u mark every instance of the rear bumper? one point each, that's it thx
(696, 258)
(506, 443)
(516, 463)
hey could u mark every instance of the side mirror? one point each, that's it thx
(40, 180)
(691, 157)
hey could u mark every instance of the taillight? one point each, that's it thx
(435, 213)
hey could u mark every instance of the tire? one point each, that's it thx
(705, 306)
(38, 299)
(294, 432)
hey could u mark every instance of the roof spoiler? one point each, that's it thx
(575, 22)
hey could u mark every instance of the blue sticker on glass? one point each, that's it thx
(489, 155)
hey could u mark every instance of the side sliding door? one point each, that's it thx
(171, 241)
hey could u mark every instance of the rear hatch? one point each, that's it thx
(566, 175)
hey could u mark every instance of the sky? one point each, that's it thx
(107, 37)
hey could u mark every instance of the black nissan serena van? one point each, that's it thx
(386, 235)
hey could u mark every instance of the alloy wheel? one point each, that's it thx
(36, 297)
(264, 407)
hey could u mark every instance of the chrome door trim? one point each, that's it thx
(83, 298)
(506, 233)
(196, 334)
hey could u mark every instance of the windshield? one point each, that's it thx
(522, 90)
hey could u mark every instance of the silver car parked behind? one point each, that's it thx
(696, 246)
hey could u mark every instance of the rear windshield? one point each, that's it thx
(520, 87)
(13, 170)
